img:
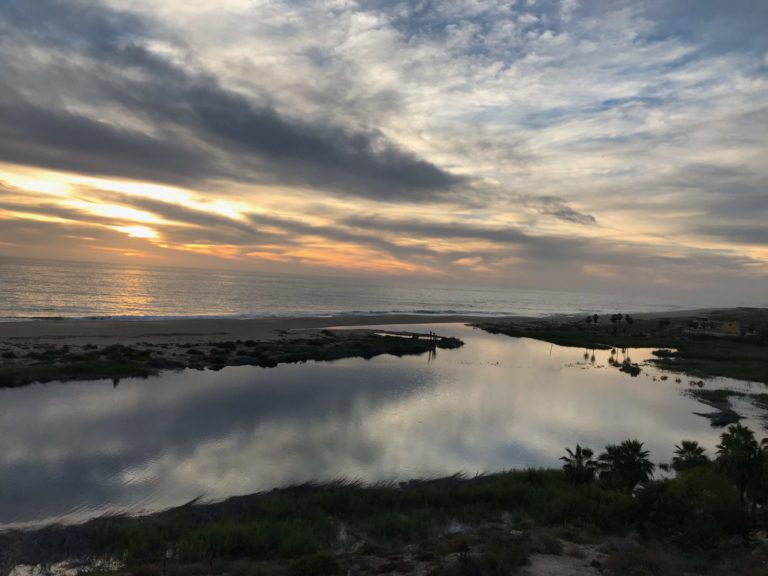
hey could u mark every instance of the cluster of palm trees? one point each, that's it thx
(622, 466)
(739, 457)
(615, 321)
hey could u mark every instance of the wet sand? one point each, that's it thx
(104, 332)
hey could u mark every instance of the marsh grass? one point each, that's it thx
(306, 520)
(48, 363)
(489, 524)
(703, 357)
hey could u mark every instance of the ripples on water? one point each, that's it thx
(72, 451)
(34, 288)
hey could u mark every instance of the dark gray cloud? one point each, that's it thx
(561, 253)
(57, 139)
(49, 209)
(24, 233)
(338, 234)
(557, 207)
(546, 248)
(327, 156)
(199, 129)
(737, 232)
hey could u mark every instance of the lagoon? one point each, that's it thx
(73, 451)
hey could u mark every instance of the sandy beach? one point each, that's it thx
(195, 329)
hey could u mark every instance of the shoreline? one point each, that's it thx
(236, 516)
(97, 331)
(64, 350)
(122, 331)
(731, 343)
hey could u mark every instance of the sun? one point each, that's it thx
(136, 231)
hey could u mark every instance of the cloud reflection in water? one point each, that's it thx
(75, 450)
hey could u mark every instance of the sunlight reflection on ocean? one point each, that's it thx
(49, 289)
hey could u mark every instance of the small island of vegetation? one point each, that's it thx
(23, 363)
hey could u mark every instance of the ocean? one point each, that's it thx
(35, 289)
(76, 450)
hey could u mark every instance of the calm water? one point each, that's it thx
(72, 451)
(34, 288)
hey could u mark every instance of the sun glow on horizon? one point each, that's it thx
(137, 231)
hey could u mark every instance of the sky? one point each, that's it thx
(594, 145)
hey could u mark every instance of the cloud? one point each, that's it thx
(562, 251)
(199, 129)
(737, 25)
(533, 138)
(756, 235)
(34, 135)
(261, 228)
(553, 206)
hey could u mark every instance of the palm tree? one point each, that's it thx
(630, 321)
(579, 466)
(759, 484)
(689, 454)
(625, 466)
(738, 456)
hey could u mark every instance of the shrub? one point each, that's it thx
(698, 509)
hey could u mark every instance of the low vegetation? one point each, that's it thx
(694, 346)
(22, 366)
(739, 359)
(699, 521)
